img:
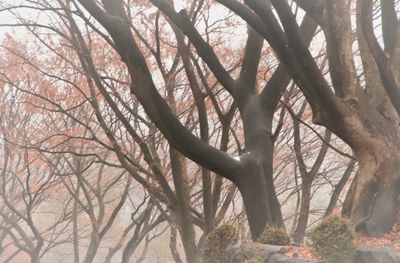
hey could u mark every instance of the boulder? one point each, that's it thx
(239, 253)
(276, 254)
(263, 253)
(376, 255)
(279, 258)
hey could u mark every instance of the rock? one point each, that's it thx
(279, 258)
(271, 248)
(239, 253)
(276, 254)
(376, 255)
(262, 252)
(267, 251)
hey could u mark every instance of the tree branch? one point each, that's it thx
(205, 51)
(155, 106)
(380, 57)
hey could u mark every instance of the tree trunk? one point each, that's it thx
(184, 218)
(256, 183)
(372, 200)
(75, 230)
(298, 236)
(274, 204)
(130, 248)
(173, 244)
(35, 258)
(256, 199)
(93, 247)
(339, 187)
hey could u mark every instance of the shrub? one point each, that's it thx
(333, 239)
(217, 242)
(274, 235)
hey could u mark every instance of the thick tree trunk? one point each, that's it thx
(372, 203)
(35, 258)
(256, 182)
(256, 198)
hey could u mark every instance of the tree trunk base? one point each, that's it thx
(372, 201)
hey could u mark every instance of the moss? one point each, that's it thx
(252, 254)
(217, 242)
(333, 239)
(274, 236)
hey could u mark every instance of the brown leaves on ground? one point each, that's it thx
(391, 239)
(303, 251)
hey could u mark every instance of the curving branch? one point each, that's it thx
(155, 106)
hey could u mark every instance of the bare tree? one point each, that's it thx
(29, 226)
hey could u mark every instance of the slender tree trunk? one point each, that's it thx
(130, 248)
(298, 236)
(75, 230)
(184, 217)
(144, 251)
(173, 244)
(92, 249)
(297, 209)
(208, 208)
(110, 254)
(339, 187)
